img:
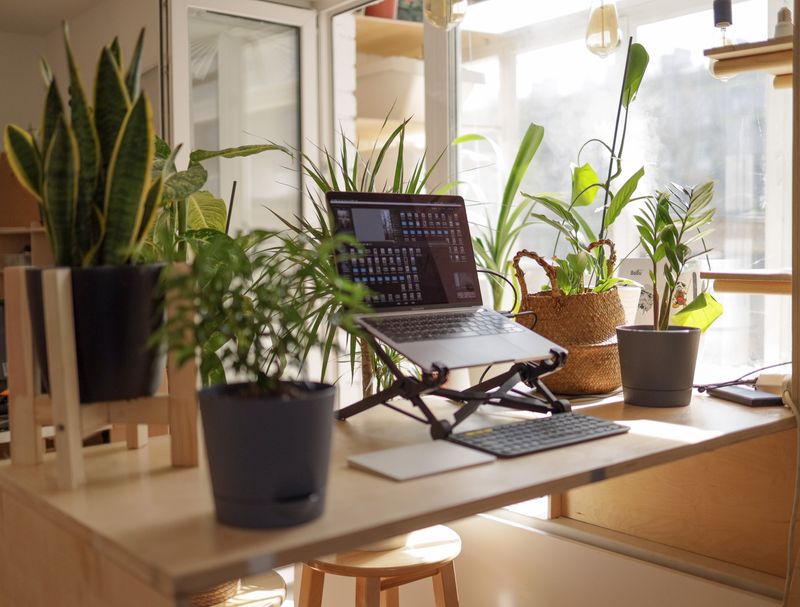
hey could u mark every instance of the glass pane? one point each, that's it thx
(684, 127)
(246, 90)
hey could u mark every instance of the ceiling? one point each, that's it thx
(39, 17)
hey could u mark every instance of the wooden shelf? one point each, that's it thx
(772, 56)
(764, 282)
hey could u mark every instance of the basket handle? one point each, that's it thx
(611, 262)
(548, 269)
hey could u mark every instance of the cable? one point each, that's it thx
(502, 276)
(739, 380)
(791, 556)
(485, 371)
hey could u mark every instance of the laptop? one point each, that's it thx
(416, 258)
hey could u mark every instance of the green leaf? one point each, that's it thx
(467, 138)
(111, 103)
(60, 193)
(623, 197)
(89, 158)
(53, 109)
(527, 150)
(637, 65)
(128, 178)
(583, 178)
(183, 183)
(237, 152)
(206, 211)
(151, 204)
(446, 188)
(132, 77)
(22, 157)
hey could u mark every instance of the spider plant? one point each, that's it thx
(349, 170)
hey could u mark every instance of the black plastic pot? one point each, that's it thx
(116, 310)
(657, 366)
(268, 455)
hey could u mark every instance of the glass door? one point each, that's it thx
(244, 72)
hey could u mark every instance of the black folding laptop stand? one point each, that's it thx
(412, 389)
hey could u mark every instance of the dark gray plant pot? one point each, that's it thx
(657, 366)
(116, 309)
(268, 455)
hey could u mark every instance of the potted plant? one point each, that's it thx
(580, 307)
(658, 360)
(267, 435)
(90, 169)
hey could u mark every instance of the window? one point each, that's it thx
(685, 126)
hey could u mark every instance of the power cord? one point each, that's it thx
(739, 381)
(791, 553)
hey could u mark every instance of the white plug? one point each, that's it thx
(776, 383)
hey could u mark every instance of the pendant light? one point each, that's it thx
(603, 36)
(444, 14)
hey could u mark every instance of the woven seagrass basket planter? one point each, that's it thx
(585, 324)
(215, 595)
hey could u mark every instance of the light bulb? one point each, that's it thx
(602, 34)
(444, 13)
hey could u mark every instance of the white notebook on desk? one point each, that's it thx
(422, 459)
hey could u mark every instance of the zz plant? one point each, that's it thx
(89, 166)
(669, 223)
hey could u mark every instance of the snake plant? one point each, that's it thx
(88, 166)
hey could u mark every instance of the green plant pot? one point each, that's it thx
(268, 454)
(657, 367)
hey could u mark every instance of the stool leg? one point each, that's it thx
(368, 592)
(312, 583)
(391, 597)
(445, 591)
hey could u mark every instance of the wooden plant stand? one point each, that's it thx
(30, 410)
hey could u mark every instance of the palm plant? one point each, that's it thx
(494, 241)
(89, 167)
(349, 170)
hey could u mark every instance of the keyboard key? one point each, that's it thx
(532, 435)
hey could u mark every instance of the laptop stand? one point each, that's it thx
(413, 388)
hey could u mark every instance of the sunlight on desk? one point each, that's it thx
(676, 432)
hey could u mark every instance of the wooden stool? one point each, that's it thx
(379, 574)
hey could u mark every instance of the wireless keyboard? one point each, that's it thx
(539, 434)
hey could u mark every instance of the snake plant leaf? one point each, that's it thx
(183, 183)
(151, 203)
(237, 152)
(132, 77)
(637, 65)
(86, 137)
(111, 103)
(60, 193)
(623, 197)
(116, 51)
(23, 158)
(128, 177)
(206, 211)
(53, 109)
(584, 188)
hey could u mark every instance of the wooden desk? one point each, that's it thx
(141, 532)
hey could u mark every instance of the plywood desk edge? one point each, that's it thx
(178, 580)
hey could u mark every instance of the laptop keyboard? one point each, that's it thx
(424, 327)
(539, 434)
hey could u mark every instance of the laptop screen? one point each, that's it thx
(416, 248)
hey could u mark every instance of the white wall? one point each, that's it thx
(91, 30)
(505, 566)
(21, 101)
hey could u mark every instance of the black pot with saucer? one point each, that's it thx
(657, 366)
